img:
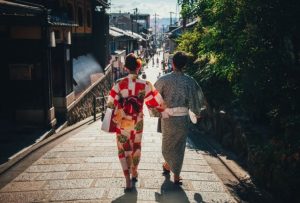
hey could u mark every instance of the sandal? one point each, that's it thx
(128, 184)
(135, 176)
(177, 180)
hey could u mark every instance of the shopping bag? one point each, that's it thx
(107, 124)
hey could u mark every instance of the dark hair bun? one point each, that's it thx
(131, 62)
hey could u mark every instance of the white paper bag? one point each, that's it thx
(107, 124)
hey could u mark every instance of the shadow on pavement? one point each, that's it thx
(171, 193)
(128, 197)
(14, 138)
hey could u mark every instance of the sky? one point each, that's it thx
(160, 7)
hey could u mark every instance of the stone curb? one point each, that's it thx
(50, 136)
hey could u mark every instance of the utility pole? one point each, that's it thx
(136, 19)
(155, 28)
(171, 17)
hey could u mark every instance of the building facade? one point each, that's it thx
(42, 44)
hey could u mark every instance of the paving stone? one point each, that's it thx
(88, 166)
(193, 156)
(199, 176)
(105, 144)
(151, 154)
(77, 194)
(24, 197)
(78, 149)
(102, 159)
(60, 161)
(23, 186)
(89, 174)
(205, 186)
(53, 176)
(114, 193)
(26, 177)
(151, 173)
(151, 160)
(68, 184)
(151, 149)
(82, 138)
(52, 155)
(112, 183)
(116, 166)
(153, 183)
(214, 197)
(116, 174)
(82, 154)
(199, 162)
(85, 201)
(147, 194)
(47, 168)
(117, 195)
(203, 169)
(74, 144)
(150, 166)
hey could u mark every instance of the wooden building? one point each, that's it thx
(40, 41)
(125, 40)
(138, 23)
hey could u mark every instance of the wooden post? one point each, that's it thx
(94, 107)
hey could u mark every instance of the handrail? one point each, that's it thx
(103, 105)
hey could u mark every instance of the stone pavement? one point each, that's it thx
(85, 168)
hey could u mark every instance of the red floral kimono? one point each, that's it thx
(127, 97)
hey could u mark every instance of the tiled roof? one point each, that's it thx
(11, 8)
(178, 31)
(127, 33)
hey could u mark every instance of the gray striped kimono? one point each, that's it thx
(177, 90)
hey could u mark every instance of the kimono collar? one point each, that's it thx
(178, 72)
(133, 76)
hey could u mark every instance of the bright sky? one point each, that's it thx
(160, 7)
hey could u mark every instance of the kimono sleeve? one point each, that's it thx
(153, 99)
(196, 102)
(113, 97)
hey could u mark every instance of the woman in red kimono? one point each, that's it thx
(127, 97)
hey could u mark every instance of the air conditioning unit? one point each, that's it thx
(20, 71)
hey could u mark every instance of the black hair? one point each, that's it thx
(131, 62)
(180, 59)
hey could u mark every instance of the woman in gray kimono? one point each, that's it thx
(181, 93)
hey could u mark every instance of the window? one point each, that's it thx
(88, 18)
(80, 16)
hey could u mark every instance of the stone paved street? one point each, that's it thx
(85, 168)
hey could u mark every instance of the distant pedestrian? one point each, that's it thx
(127, 97)
(116, 68)
(181, 93)
(159, 74)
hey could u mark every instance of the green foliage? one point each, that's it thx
(251, 47)
(247, 54)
